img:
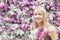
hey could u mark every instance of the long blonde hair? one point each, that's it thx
(45, 16)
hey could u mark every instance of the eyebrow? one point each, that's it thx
(36, 13)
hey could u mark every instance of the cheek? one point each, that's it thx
(42, 17)
(38, 17)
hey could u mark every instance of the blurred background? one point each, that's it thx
(16, 17)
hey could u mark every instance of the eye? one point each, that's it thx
(39, 14)
(35, 14)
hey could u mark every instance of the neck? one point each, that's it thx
(39, 24)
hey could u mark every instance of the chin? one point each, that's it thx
(38, 21)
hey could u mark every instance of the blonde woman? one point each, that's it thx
(40, 23)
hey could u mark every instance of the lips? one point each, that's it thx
(38, 18)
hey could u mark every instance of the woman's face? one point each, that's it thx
(38, 16)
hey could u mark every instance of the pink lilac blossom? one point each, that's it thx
(6, 7)
(59, 35)
(24, 27)
(55, 19)
(2, 4)
(57, 6)
(10, 1)
(41, 33)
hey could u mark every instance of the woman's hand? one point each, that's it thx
(52, 33)
(53, 36)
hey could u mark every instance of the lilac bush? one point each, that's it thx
(16, 17)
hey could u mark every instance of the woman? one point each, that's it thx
(41, 25)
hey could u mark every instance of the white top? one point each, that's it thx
(33, 34)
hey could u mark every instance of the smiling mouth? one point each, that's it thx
(38, 18)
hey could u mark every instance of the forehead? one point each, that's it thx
(38, 11)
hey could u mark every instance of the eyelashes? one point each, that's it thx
(37, 14)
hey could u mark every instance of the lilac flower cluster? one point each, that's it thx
(56, 18)
(41, 34)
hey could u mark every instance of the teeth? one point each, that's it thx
(38, 18)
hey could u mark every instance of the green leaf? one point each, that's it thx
(47, 38)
